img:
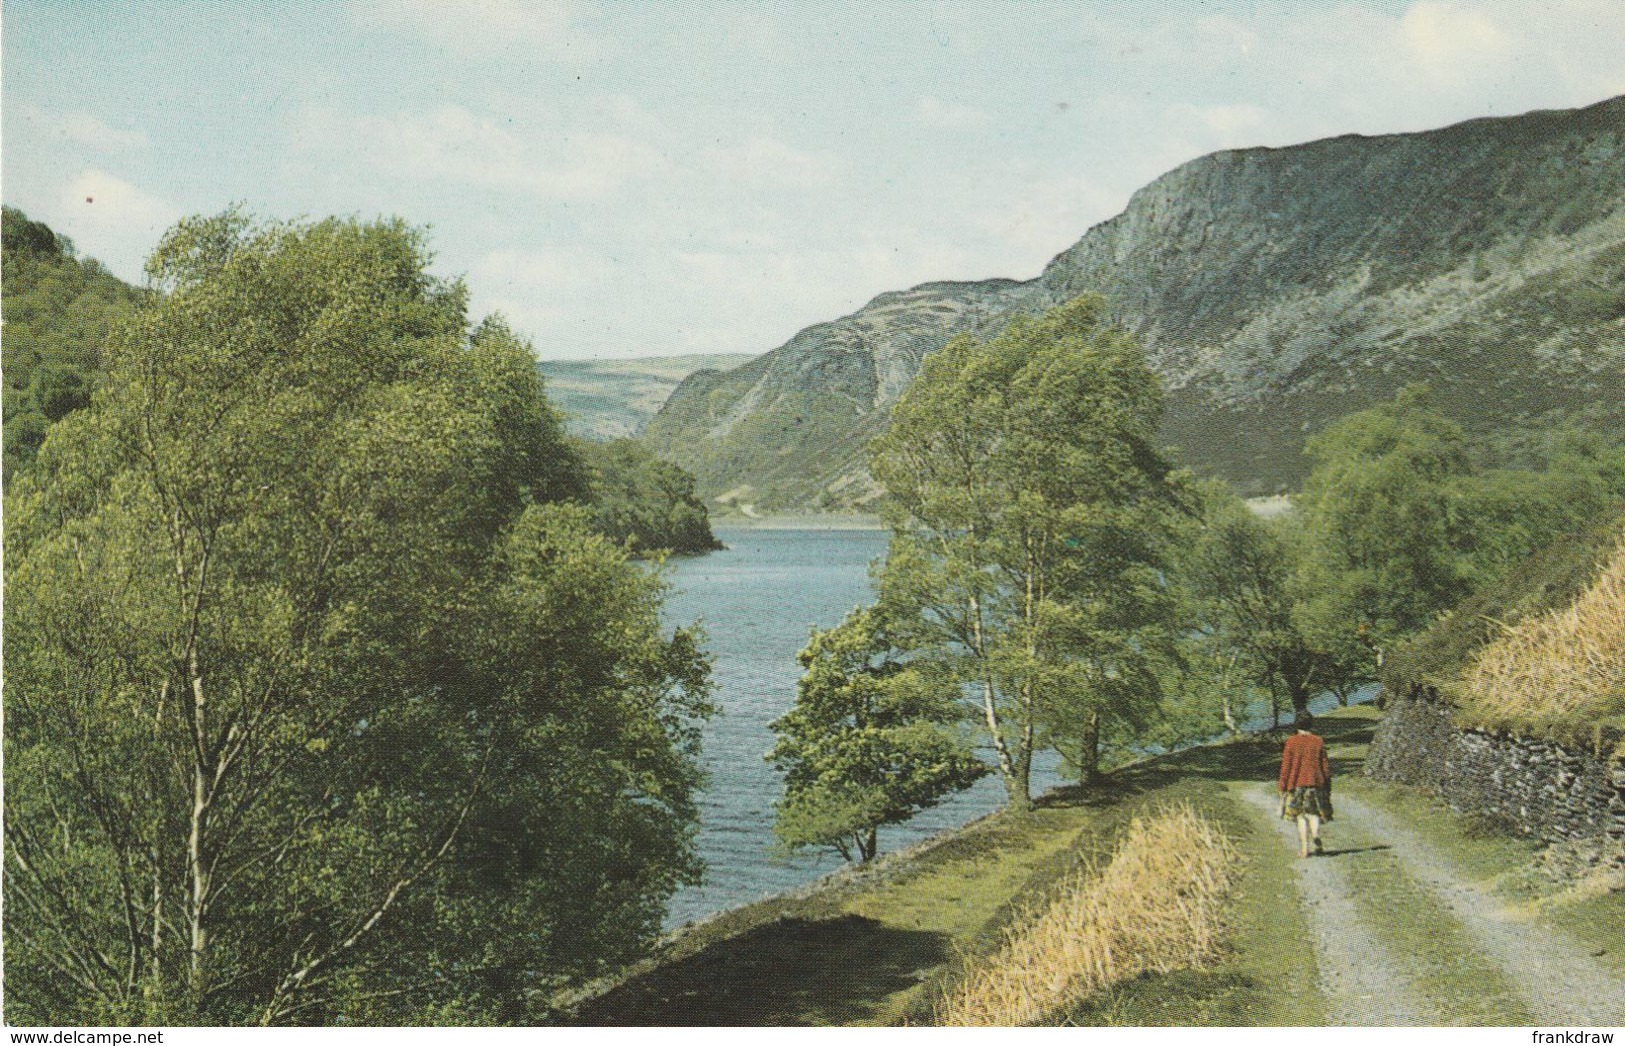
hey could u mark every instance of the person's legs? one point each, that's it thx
(1303, 835)
(1314, 829)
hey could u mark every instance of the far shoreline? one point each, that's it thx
(809, 521)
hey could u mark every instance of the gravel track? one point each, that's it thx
(1357, 975)
(1363, 982)
(1558, 981)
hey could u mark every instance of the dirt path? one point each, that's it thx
(1368, 983)
(1558, 982)
(1357, 975)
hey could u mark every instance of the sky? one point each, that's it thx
(634, 178)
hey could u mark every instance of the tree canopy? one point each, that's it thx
(1028, 510)
(872, 740)
(645, 502)
(322, 705)
(1398, 523)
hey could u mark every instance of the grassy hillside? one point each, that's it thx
(1565, 666)
(613, 399)
(1542, 590)
(885, 944)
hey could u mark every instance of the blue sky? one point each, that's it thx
(638, 178)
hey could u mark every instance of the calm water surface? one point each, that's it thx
(757, 601)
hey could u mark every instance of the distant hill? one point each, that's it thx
(1275, 290)
(58, 310)
(612, 399)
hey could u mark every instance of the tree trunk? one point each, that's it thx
(869, 843)
(1009, 762)
(1299, 693)
(990, 706)
(1018, 784)
(197, 863)
(1089, 749)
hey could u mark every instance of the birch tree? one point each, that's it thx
(872, 740)
(1027, 505)
(320, 704)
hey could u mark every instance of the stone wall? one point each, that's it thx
(1535, 787)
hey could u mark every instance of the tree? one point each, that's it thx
(1027, 508)
(1243, 573)
(645, 502)
(1383, 532)
(871, 741)
(320, 704)
(1511, 514)
(59, 310)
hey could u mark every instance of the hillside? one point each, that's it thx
(1274, 289)
(58, 311)
(613, 399)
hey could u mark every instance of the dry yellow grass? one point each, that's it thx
(1157, 905)
(1565, 664)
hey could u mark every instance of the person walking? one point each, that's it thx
(1305, 784)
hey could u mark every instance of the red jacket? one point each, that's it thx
(1303, 763)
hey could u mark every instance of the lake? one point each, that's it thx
(756, 601)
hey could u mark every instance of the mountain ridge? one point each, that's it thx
(1274, 288)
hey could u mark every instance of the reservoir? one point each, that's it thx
(756, 602)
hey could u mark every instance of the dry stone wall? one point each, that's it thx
(1532, 786)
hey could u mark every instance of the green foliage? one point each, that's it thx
(1384, 534)
(58, 310)
(1206, 694)
(1399, 526)
(1553, 577)
(643, 502)
(1512, 514)
(1029, 515)
(321, 705)
(1245, 577)
(871, 741)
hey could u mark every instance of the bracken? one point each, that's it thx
(1565, 664)
(1156, 906)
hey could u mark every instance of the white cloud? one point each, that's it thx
(452, 145)
(481, 26)
(1044, 217)
(78, 127)
(767, 161)
(109, 218)
(935, 112)
(85, 129)
(1226, 126)
(1451, 44)
(541, 291)
(105, 202)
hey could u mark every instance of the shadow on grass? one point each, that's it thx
(1254, 757)
(793, 971)
(1341, 851)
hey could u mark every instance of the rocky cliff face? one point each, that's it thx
(1274, 289)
